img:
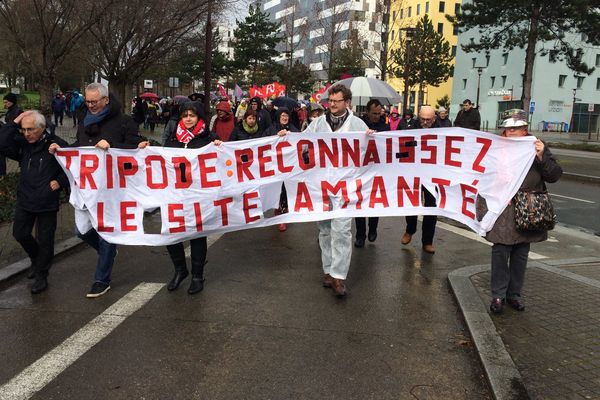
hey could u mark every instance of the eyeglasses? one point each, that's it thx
(27, 130)
(94, 102)
(426, 119)
(336, 101)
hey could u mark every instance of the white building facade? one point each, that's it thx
(560, 97)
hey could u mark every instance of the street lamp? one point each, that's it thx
(571, 127)
(409, 37)
(479, 71)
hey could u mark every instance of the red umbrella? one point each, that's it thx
(149, 95)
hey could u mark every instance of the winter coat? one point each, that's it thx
(201, 140)
(118, 129)
(58, 105)
(12, 113)
(76, 102)
(468, 119)
(352, 124)
(262, 115)
(379, 126)
(239, 133)
(444, 123)
(223, 127)
(276, 127)
(407, 123)
(504, 230)
(38, 168)
(394, 124)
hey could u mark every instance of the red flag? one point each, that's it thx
(222, 91)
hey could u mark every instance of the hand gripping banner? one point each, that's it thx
(237, 185)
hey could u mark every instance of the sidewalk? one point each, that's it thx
(550, 351)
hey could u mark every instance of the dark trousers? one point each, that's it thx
(40, 251)
(361, 226)
(2, 165)
(429, 221)
(198, 252)
(58, 117)
(508, 270)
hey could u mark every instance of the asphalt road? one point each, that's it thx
(577, 204)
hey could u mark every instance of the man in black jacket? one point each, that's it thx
(262, 116)
(102, 124)
(12, 112)
(40, 181)
(375, 120)
(468, 117)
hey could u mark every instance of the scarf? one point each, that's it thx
(336, 122)
(248, 129)
(91, 119)
(224, 127)
(184, 135)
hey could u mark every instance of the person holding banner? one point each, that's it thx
(335, 235)
(191, 133)
(375, 120)
(102, 124)
(510, 249)
(427, 119)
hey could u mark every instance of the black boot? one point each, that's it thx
(181, 273)
(197, 283)
(39, 285)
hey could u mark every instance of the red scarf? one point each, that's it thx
(184, 135)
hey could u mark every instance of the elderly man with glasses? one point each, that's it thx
(26, 141)
(102, 124)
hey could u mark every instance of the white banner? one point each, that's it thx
(237, 185)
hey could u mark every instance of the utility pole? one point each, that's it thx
(479, 70)
(207, 61)
(409, 35)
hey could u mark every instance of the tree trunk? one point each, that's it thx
(46, 95)
(530, 57)
(117, 88)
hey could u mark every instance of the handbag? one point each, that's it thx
(534, 211)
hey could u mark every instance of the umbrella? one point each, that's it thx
(364, 89)
(180, 99)
(149, 95)
(287, 102)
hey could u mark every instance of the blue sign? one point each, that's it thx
(531, 107)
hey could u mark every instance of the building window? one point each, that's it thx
(487, 60)
(503, 80)
(464, 84)
(473, 61)
(401, 13)
(442, 6)
(409, 12)
(580, 81)
(561, 80)
(493, 81)
(457, 8)
(393, 34)
(426, 7)
(394, 15)
(440, 27)
(597, 60)
(504, 58)
(418, 9)
(598, 84)
(453, 51)
(455, 30)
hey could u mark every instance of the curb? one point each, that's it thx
(17, 267)
(581, 177)
(502, 374)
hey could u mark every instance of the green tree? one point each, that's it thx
(256, 39)
(297, 79)
(429, 57)
(348, 60)
(521, 24)
(443, 101)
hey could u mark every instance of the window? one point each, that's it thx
(487, 60)
(464, 84)
(504, 58)
(561, 80)
(453, 51)
(455, 30)
(442, 6)
(598, 84)
(457, 8)
(418, 9)
(401, 13)
(473, 61)
(597, 60)
(394, 16)
(393, 34)
(503, 80)
(579, 81)
(552, 56)
(426, 7)
(409, 12)
(493, 81)
(440, 27)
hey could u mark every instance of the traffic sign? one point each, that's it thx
(591, 107)
(531, 106)
(147, 83)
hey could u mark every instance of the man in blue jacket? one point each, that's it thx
(26, 140)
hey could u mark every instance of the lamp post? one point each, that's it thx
(479, 71)
(571, 127)
(409, 36)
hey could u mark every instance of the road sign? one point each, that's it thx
(591, 107)
(531, 106)
(147, 83)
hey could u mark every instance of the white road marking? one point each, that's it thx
(33, 378)
(572, 198)
(473, 236)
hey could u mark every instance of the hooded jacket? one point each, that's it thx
(118, 129)
(379, 126)
(277, 126)
(223, 127)
(263, 116)
(38, 168)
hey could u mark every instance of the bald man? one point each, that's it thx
(427, 119)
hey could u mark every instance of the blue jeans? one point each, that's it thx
(106, 254)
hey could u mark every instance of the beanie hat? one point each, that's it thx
(11, 97)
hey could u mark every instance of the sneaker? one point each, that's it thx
(98, 289)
